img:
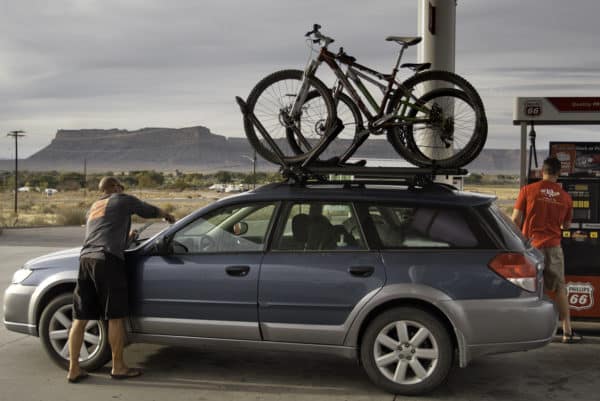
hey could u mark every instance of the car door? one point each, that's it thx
(318, 273)
(206, 284)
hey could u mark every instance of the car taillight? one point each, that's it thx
(516, 268)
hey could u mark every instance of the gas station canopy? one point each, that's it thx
(557, 110)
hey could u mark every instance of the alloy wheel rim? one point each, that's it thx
(406, 352)
(58, 333)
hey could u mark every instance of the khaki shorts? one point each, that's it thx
(554, 268)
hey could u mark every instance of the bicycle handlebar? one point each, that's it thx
(318, 36)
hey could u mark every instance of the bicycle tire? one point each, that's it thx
(259, 97)
(465, 116)
(395, 135)
(464, 85)
(350, 116)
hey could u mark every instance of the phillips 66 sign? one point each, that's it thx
(580, 295)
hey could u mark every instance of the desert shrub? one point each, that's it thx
(49, 209)
(183, 211)
(39, 221)
(25, 206)
(168, 207)
(71, 216)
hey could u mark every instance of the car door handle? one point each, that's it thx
(361, 271)
(239, 271)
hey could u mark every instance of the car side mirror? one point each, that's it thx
(162, 246)
(240, 228)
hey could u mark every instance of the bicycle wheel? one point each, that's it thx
(441, 129)
(272, 100)
(434, 79)
(346, 111)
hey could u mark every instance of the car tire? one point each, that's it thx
(53, 331)
(414, 362)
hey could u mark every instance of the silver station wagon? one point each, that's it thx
(408, 281)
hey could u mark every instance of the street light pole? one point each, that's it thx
(253, 160)
(16, 134)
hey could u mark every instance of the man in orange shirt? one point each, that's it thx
(541, 210)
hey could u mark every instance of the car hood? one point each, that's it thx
(65, 258)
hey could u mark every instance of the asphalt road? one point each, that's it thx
(556, 372)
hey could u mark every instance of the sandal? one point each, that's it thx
(130, 374)
(571, 338)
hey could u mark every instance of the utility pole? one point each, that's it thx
(16, 134)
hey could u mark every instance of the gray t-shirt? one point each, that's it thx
(109, 222)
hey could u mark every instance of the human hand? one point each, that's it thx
(133, 234)
(169, 218)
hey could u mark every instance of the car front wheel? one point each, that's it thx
(406, 351)
(55, 324)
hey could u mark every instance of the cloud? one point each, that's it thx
(109, 63)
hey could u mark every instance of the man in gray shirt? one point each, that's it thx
(101, 291)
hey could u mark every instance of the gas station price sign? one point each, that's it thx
(580, 159)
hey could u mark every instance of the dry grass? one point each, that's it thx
(69, 208)
(506, 194)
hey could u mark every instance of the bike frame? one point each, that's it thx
(353, 75)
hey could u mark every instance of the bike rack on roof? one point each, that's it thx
(311, 170)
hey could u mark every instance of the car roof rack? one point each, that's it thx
(349, 174)
(315, 171)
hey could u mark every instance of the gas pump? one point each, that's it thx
(580, 177)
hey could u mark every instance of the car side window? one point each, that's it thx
(401, 227)
(320, 226)
(229, 229)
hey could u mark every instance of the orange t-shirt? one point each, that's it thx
(546, 207)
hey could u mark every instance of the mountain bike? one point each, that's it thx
(445, 126)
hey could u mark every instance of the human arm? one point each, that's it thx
(146, 210)
(519, 208)
(568, 214)
(165, 215)
(517, 218)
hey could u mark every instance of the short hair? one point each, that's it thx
(107, 183)
(551, 166)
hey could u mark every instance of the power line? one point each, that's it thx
(16, 134)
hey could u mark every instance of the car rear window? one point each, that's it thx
(504, 228)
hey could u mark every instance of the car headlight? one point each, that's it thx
(20, 275)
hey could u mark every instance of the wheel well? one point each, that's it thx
(412, 302)
(49, 296)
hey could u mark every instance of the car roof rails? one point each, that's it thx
(314, 171)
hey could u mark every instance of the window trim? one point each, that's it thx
(277, 205)
(284, 212)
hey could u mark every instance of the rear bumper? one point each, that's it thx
(16, 309)
(502, 325)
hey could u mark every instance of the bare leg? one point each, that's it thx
(116, 337)
(563, 308)
(75, 342)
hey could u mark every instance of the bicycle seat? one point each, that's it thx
(404, 40)
(416, 67)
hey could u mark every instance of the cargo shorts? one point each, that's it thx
(101, 291)
(554, 268)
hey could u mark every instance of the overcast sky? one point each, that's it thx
(129, 64)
